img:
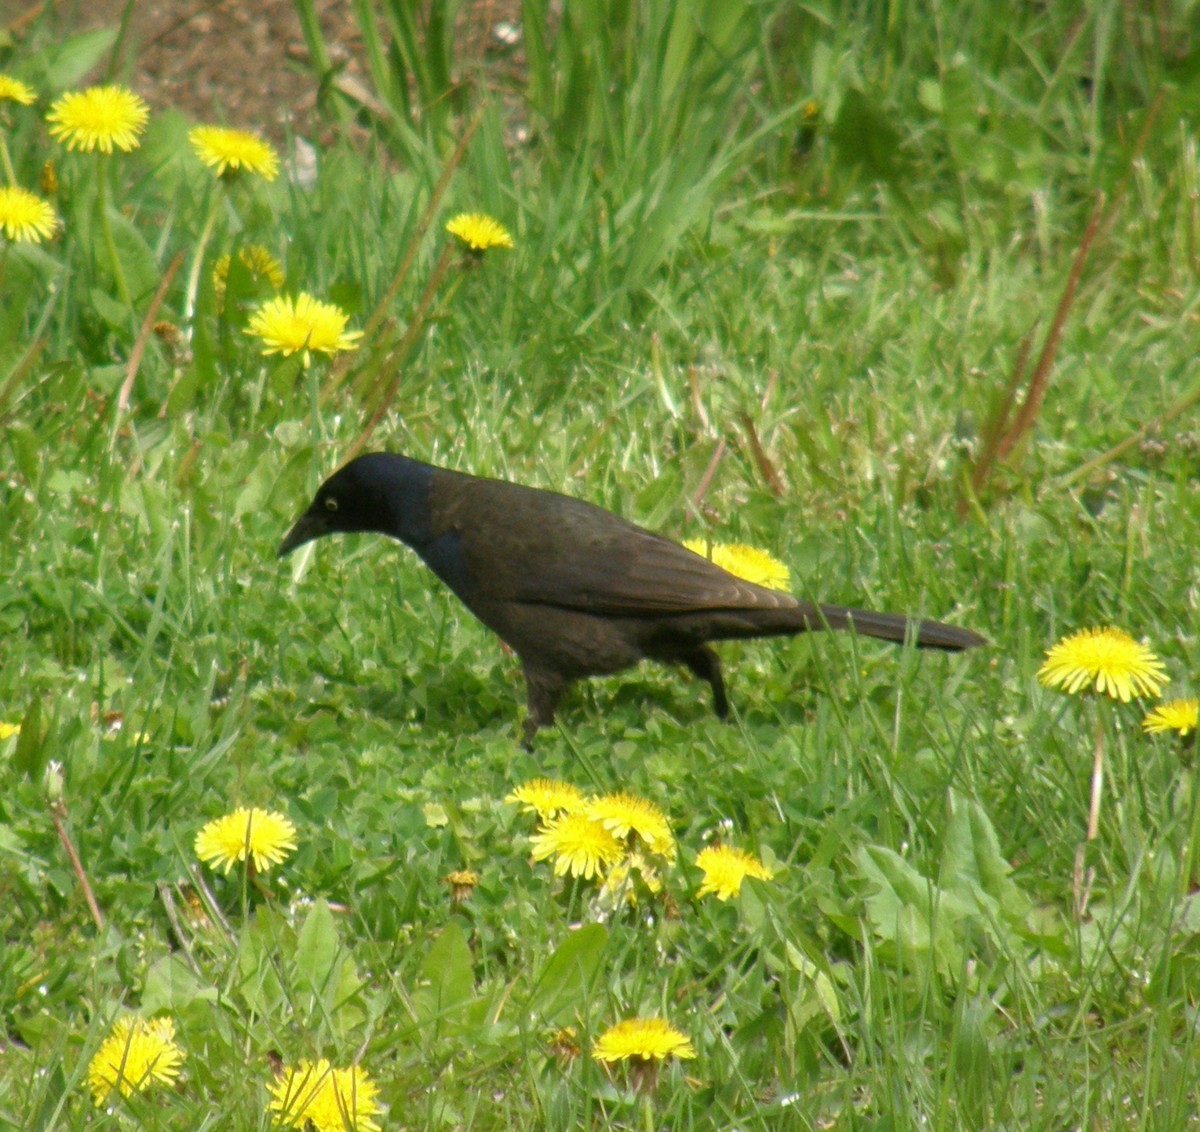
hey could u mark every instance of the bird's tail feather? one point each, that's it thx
(807, 617)
(890, 627)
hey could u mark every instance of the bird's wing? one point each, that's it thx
(648, 574)
(549, 549)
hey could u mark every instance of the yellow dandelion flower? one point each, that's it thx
(649, 1039)
(547, 797)
(478, 232)
(331, 1100)
(579, 845)
(302, 325)
(622, 814)
(8, 730)
(257, 260)
(25, 218)
(462, 883)
(229, 151)
(1174, 715)
(13, 90)
(101, 117)
(1110, 659)
(265, 836)
(137, 1053)
(745, 562)
(725, 868)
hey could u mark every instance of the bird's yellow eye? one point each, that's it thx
(331, 504)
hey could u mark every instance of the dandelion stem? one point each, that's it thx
(167, 898)
(106, 228)
(709, 472)
(209, 902)
(58, 811)
(249, 875)
(1191, 848)
(401, 350)
(382, 307)
(314, 393)
(1083, 878)
(139, 348)
(1093, 826)
(581, 756)
(9, 172)
(193, 279)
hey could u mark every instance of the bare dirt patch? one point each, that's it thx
(241, 63)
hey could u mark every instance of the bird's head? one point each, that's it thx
(376, 492)
(346, 502)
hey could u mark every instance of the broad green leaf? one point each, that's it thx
(254, 494)
(449, 974)
(285, 374)
(566, 981)
(110, 309)
(909, 911)
(865, 136)
(172, 985)
(68, 63)
(25, 448)
(813, 993)
(753, 906)
(258, 982)
(29, 757)
(142, 273)
(317, 948)
(973, 866)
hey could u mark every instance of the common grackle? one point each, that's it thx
(573, 589)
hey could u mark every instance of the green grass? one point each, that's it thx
(693, 253)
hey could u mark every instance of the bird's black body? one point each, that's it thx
(573, 589)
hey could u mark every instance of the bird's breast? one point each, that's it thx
(444, 556)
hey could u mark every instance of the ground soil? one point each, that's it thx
(241, 63)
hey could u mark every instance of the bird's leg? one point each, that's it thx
(705, 663)
(543, 690)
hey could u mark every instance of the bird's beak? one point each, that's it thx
(307, 528)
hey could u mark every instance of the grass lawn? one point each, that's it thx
(906, 295)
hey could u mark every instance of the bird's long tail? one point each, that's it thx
(889, 627)
(807, 617)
